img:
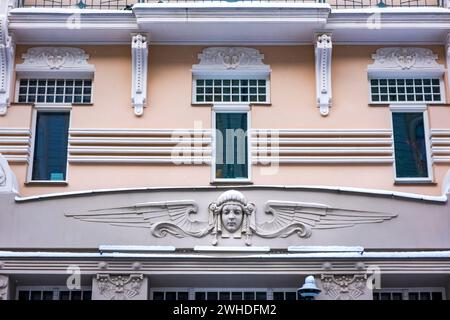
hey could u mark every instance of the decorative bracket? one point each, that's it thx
(139, 53)
(323, 47)
(7, 49)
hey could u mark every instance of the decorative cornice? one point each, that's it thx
(7, 49)
(323, 48)
(139, 53)
(230, 60)
(344, 287)
(119, 287)
(55, 62)
(396, 61)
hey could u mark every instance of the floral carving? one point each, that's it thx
(404, 58)
(3, 287)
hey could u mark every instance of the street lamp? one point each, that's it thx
(309, 289)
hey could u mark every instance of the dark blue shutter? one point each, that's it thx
(228, 124)
(50, 148)
(410, 145)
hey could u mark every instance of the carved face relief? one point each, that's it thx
(232, 216)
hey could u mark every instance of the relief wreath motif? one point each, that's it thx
(231, 216)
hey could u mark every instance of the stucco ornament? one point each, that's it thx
(2, 177)
(119, 287)
(3, 287)
(231, 215)
(7, 49)
(404, 58)
(55, 57)
(344, 287)
(230, 57)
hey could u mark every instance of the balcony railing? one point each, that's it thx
(128, 4)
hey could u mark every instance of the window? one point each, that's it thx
(170, 295)
(231, 158)
(50, 146)
(423, 90)
(410, 146)
(55, 91)
(410, 294)
(52, 293)
(230, 295)
(230, 91)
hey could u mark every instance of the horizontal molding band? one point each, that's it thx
(328, 160)
(138, 132)
(15, 131)
(138, 140)
(324, 141)
(137, 150)
(326, 132)
(323, 150)
(140, 159)
(16, 158)
(14, 139)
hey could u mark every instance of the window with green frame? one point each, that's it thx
(50, 146)
(411, 159)
(231, 158)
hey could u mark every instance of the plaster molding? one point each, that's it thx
(405, 61)
(344, 287)
(7, 49)
(4, 287)
(55, 62)
(230, 60)
(323, 49)
(8, 181)
(139, 54)
(119, 287)
(231, 215)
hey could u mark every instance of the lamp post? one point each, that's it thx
(309, 289)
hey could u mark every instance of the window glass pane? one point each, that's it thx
(50, 149)
(219, 90)
(32, 90)
(200, 296)
(291, 295)
(261, 296)
(64, 295)
(249, 296)
(36, 295)
(392, 90)
(231, 145)
(24, 295)
(436, 296)
(212, 296)
(224, 296)
(87, 295)
(183, 295)
(409, 145)
(158, 295)
(278, 296)
(171, 295)
(236, 296)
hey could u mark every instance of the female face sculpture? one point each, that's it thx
(232, 215)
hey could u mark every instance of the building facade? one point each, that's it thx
(213, 150)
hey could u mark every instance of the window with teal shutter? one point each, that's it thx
(50, 146)
(410, 145)
(231, 146)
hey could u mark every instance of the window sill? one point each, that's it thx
(45, 182)
(231, 182)
(415, 182)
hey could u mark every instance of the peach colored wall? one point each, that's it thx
(169, 106)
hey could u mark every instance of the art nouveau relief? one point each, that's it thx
(404, 58)
(231, 215)
(119, 287)
(345, 287)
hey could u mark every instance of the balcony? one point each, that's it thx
(128, 4)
